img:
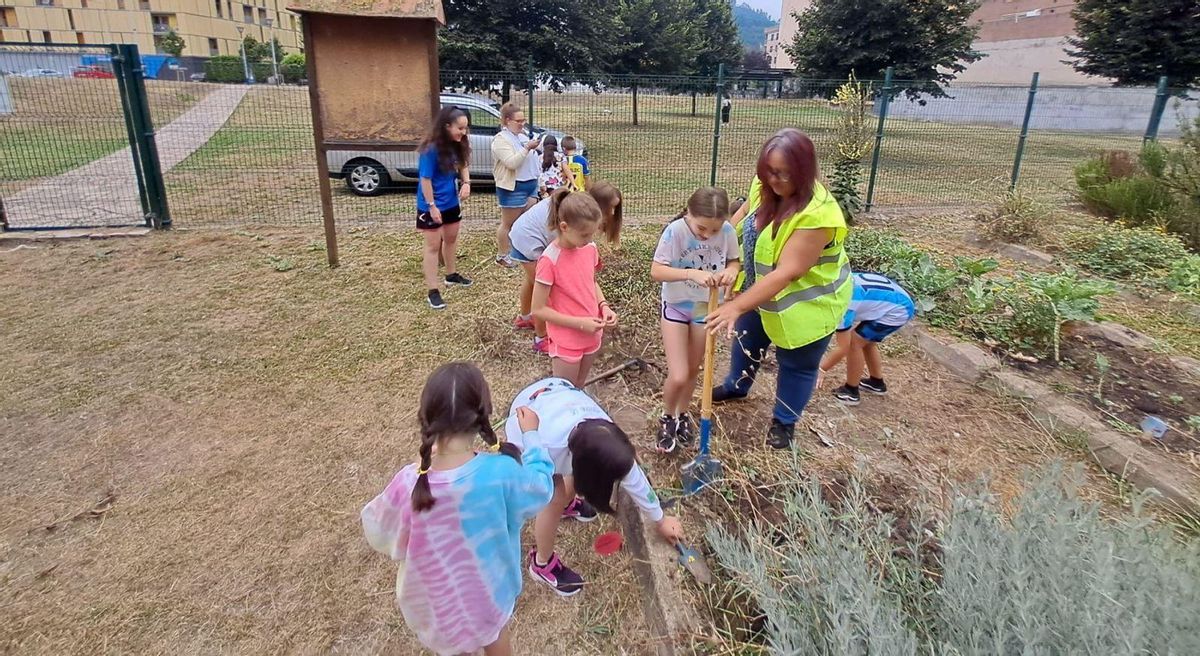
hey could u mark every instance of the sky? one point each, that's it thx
(770, 7)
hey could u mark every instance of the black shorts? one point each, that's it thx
(452, 215)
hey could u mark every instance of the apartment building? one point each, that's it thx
(208, 27)
(772, 46)
(787, 31)
(1023, 36)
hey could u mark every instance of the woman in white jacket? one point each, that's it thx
(517, 170)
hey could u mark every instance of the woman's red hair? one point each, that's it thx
(801, 158)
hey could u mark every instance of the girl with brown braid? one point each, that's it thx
(452, 521)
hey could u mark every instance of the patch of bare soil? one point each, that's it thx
(1124, 385)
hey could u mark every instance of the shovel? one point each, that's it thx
(693, 562)
(705, 469)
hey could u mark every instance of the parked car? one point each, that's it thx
(369, 173)
(41, 72)
(92, 72)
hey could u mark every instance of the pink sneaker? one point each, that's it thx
(562, 579)
(521, 323)
(541, 346)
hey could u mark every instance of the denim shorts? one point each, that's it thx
(517, 198)
(517, 256)
(873, 331)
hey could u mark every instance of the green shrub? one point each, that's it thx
(1023, 315)
(224, 68)
(1055, 577)
(1018, 216)
(293, 68)
(1121, 253)
(1137, 200)
(1184, 277)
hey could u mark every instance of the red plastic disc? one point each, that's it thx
(607, 544)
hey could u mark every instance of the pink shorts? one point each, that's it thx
(573, 355)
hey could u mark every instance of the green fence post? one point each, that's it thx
(1016, 171)
(139, 103)
(712, 174)
(1156, 112)
(886, 99)
(531, 81)
(122, 71)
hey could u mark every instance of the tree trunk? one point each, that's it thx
(635, 116)
(693, 102)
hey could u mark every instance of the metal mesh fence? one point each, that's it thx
(236, 155)
(64, 156)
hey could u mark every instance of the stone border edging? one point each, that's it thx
(1118, 454)
(670, 617)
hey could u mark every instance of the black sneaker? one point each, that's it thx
(847, 395)
(580, 511)
(685, 431)
(780, 434)
(561, 579)
(722, 394)
(874, 385)
(458, 279)
(435, 300)
(666, 434)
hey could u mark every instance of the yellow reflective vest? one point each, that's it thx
(813, 305)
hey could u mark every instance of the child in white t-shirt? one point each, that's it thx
(697, 251)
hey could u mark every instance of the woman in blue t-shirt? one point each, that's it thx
(445, 157)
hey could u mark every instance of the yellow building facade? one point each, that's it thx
(208, 27)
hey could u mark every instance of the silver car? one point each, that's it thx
(368, 173)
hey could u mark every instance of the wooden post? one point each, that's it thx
(331, 248)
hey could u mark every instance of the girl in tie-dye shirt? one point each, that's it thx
(453, 521)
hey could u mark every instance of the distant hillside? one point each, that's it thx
(751, 23)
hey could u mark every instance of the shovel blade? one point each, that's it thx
(693, 562)
(700, 473)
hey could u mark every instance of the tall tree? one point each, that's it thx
(568, 41)
(662, 37)
(1137, 41)
(720, 43)
(925, 40)
(756, 60)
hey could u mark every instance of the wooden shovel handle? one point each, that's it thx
(710, 346)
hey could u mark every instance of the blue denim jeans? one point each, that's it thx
(797, 367)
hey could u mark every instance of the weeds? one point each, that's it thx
(1053, 578)
(281, 263)
(1126, 253)
(1022, 314)
(1017, 216)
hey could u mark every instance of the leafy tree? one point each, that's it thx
(720, 43)
(925, 40)
(1137, 41)
(257, 51)
(756, 60)
(293, 67)
(568, 41)
(171, 43)
(663, 37)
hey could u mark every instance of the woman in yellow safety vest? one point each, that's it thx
(797, 283)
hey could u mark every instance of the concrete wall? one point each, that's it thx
(63, 62)
(1086, 109)
(1013, 62)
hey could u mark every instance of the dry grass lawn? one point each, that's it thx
(240, 416)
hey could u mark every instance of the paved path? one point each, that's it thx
(105, 192)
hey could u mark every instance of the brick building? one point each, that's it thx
(1023, 36)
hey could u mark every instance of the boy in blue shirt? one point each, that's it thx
(578, 164)
(878, 308)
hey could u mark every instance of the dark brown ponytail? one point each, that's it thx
(489, 437)
(422, 496)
